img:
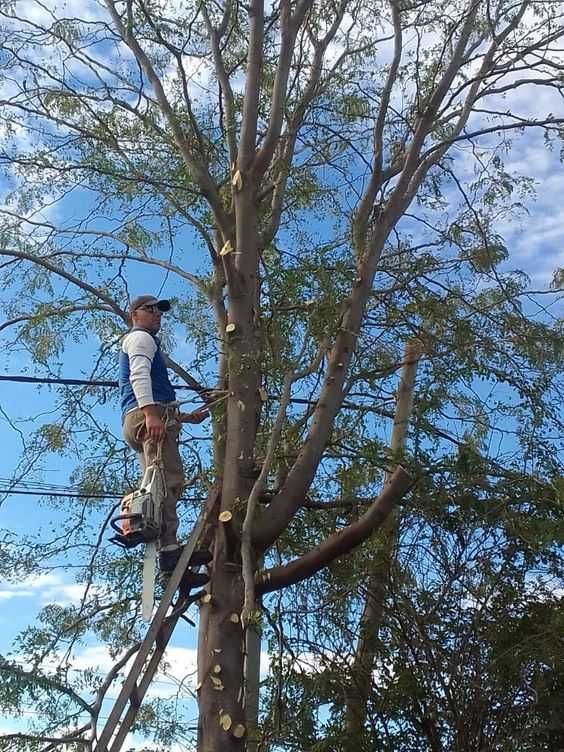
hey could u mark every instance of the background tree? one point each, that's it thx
(336, 172)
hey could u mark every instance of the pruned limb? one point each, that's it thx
(404, 401)
(341, 542)
(231, 538)
(357, 693)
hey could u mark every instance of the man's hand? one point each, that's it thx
(154, 425)
(194, 417)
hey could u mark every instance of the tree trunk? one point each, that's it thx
(252, 684)
(221, 652)
(222, 724)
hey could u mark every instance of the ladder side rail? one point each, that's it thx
(142, 687)
(152, 632)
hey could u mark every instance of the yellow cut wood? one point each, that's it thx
(225, 721)
(239, 731)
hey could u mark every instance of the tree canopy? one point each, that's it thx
(325, 191)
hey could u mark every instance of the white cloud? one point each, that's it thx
(48, 587)
(8, 595)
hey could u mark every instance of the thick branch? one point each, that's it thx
(290, 25)
(73, 738)
(365, 207)
(246, 539)
(417, 178)
(283, 162)
(99, 233)
(427, 117)
(358, 691)
(52, 313)
(341, 542)
(223, 78)
(39, 680)
(252, 86)
(198, 169)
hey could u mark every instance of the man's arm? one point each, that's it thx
(141, 349)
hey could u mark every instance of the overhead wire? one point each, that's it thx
(115, 384)
(72, 382)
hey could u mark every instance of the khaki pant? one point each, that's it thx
(134, 434)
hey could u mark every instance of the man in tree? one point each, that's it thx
(150, 419)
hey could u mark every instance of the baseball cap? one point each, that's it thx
(143, 300)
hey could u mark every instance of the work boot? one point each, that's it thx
(192, 580)
(168, 559)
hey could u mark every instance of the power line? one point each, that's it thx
(81, 495)
(43, 485)
(27, 488)
(74, 382)
(43, 492)
(114, 384)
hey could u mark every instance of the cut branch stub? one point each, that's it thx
(231, 537)
(217, 684)
(227, 248)
(237, 180)
(225, 721)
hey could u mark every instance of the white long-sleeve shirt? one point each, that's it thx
(140, 347)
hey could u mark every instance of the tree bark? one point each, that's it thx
(221, 652)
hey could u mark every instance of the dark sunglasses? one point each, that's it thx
(151, 308)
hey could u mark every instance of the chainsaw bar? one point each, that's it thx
(149, 577)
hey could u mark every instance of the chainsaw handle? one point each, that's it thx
(119, 518)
